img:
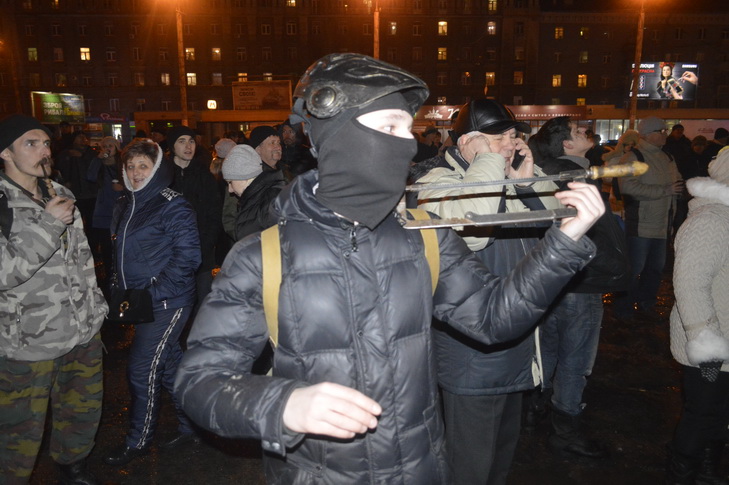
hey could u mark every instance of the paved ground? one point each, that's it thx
(633, 404)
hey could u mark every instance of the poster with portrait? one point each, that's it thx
(674, 81)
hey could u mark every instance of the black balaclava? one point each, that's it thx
(362, 172)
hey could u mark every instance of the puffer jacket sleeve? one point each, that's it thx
(30, 245)
(492, 309)
(213, 383)
(183, 240)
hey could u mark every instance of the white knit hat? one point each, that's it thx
(242, 163)
(719, 167)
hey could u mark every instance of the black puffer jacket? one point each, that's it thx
(355, 309)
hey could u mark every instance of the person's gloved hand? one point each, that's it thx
(710, 370)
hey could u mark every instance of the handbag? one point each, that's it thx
(130, 306)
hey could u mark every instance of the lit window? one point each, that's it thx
(442, 27)
(393, 28)
(556, 80)
(217, 79)
(580, 102)
(189, 53)
(164, 79)
(441, 100)
(518, 77)
(139, 79)
(491, 28)
(559, 32)
(290, 3)
(191, 79)
(493, 6)
(85, 53)
(32, 54)
(442, 53)
(242, 77)
(584, 32)
(268, 76)
(490, 78)
(582, 80)
(215, 54)
(466, 78)
(583, 57)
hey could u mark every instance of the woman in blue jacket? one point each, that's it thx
(156, 247)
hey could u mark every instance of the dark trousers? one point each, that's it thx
(73, 383)
(153, 361)
(705, 413)
(481, 436)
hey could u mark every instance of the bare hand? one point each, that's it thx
(526, 169)
(675, 188)
(690, 77)
(61, 208)
(585, 198)
(473, 145)
(331, 410)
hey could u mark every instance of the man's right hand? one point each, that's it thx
(331, 410)
(61, 208)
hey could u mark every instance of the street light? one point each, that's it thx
(181, 65)
(636, 69)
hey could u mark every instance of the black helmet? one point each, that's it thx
(342, 81)
(487, 116)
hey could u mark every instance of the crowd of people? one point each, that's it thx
(393, 355)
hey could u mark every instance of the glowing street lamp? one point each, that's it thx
(181, 65)
(636, 69)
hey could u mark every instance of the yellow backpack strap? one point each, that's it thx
(271, 262)
(432, 250)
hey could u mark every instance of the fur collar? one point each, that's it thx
(708, 188)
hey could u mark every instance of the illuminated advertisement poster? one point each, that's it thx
(53, 108)
(668, 80)
(262, 95)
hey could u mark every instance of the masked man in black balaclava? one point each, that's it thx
(353, 395)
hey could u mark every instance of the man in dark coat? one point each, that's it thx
(195, 182)
(352, 397)
(571, 329)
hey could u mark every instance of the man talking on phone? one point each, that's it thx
(482, 385)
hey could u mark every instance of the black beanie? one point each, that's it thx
(15, 126)
(177, 131)
(259, 135)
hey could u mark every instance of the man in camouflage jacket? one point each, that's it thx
(51, 310)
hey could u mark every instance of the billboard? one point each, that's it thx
(667, 80)
(262, 95)
(53, 108)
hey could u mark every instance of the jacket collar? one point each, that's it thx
(708, 188)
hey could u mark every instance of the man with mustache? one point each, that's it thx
(51, 310)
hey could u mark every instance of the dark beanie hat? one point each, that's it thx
(720, 133)
(259, 135)
(15, 126)
(177, 131)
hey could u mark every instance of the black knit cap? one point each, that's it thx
(177, 131)
(260, 134)
(15, 126)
